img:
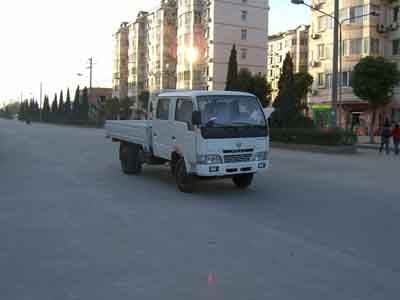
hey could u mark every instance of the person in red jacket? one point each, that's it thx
(396, 138)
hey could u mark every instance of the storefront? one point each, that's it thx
(321, 114)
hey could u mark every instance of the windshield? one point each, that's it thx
(227, 110)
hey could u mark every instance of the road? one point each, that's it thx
(72, 226)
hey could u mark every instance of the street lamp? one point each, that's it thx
(334, 90)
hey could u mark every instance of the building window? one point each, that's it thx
(355, 46)
(396, 11)
(197, 17)
(294, 42)
(244, 15)
(243, 53)
(396, 47)
(355, 13)
(280, 46)
(375, 46)
(324, 23)
(345, 47)
(244, 34)
(321, 51)
(345, 79)
(328, 80)
(321, 82)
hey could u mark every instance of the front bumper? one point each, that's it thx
(217, 170)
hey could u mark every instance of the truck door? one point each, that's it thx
(184, 136)
(162, 134)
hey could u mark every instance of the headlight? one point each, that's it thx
(209, 159)
(260, 156)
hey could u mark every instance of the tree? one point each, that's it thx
(232, 75)
(54, 109)
(84, 105)
(262, 89)
(21, 112)
(125, 107)
(61, 104)
(254, 84)
(112, 108)
(302, 86)
(76, 104)
(373, 80)
(46, 109)
(67, 106)
(143, 100)
(287, 109)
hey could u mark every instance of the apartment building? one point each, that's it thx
(137, 58)
(362, 36)
(162, 46)
(186, 45)
(191, 45)
(120, 62)
(293, 41)
(207, 30)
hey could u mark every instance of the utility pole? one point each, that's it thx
(335, 65)
(91, 72)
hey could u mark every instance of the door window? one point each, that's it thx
(163, 109)
(183, 111)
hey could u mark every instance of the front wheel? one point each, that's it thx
(184, 181)
(243, 181)
(130, 157)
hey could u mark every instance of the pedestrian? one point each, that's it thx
(396, 139)
(386, 134)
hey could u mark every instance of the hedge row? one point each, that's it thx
(323, 137)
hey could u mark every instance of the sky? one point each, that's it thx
(50, 41)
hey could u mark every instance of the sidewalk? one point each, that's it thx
(363, 143)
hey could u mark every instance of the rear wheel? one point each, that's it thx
(130, 157)
(184, 181)
(243, 181)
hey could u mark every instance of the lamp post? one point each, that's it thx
(335, 56)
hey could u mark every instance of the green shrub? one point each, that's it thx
(316, 136)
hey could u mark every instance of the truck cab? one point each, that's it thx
(207, 135)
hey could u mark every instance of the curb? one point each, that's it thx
(372, 147)
(317, 148)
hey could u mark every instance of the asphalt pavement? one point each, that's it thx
(72, 226)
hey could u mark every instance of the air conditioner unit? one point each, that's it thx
(318, 4)
(380, 28)
(315, 36)
(393, 26)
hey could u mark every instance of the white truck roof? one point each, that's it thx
(202, 93)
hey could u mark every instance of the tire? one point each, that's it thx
(184, 181)
(129, 155)
(243, 181)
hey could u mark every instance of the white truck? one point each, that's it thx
(200, 134)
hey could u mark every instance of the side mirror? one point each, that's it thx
(196, 117)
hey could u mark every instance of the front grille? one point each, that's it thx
(238, 151)
(237, 158)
